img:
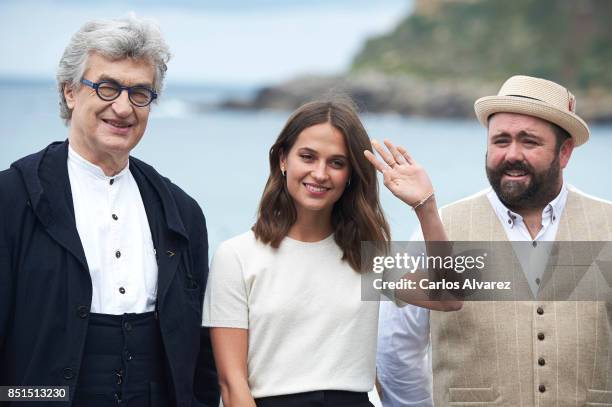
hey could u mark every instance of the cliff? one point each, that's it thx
(447, 53)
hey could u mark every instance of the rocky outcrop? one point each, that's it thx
(405, 95)
(438, 60)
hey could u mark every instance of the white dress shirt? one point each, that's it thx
(403, 357)
(533, 257)
(115, 234)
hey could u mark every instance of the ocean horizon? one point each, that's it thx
(220, 157)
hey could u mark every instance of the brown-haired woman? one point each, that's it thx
(289, 327)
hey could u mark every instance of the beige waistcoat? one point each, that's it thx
(488, 353)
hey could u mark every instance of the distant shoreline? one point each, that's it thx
(404, 95)
(373, 93)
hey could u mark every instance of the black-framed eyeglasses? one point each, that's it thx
(108, 91)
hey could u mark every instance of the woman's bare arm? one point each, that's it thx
(230, 346)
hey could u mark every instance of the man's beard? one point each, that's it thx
(541, 188)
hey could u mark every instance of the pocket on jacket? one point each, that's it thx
(192, 290)
(191, 282)
(468, 395)
(599, 398)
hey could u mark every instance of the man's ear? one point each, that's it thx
(566, 152)
(69, 95)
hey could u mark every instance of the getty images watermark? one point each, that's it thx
(488, 271)
(404, 263)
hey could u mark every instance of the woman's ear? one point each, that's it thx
(282, 162)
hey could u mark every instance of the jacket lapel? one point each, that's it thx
(51, 198)
(45, 175)
(167, 230)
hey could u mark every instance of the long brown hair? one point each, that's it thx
(357, 216)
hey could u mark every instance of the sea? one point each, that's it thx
(220, 157)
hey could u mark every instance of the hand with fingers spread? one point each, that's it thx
(404, 177)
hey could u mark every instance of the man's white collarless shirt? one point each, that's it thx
(115, 234)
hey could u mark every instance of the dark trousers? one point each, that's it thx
(123, 363)
(324, 398)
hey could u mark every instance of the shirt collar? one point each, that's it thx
(556, 206)
(551, 212)
(92, 169)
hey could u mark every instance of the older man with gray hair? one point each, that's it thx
(103, 262)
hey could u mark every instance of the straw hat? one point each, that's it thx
(535, 97)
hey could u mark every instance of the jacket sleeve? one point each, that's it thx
(206, 384)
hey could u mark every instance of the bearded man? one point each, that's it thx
(512, 353)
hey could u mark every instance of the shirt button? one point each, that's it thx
(537, 281)
(541, 362)
(68, 373)
(542, 388)
(540, 311)
(127, 326)
(509, 222)
(534, 243)
(122, 290)
(112, 181)
(541, 336)
(115, 217)
(117, 254)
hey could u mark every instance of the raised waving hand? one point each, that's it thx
(402, 175)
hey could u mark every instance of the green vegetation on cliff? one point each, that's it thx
(569, 41)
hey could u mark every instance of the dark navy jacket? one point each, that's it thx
(45, 286)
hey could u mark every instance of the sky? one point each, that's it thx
(233, 42)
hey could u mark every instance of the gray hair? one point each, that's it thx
(129, 37)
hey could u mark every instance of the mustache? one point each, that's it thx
(516, 165)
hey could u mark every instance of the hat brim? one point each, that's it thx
(574, 125)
